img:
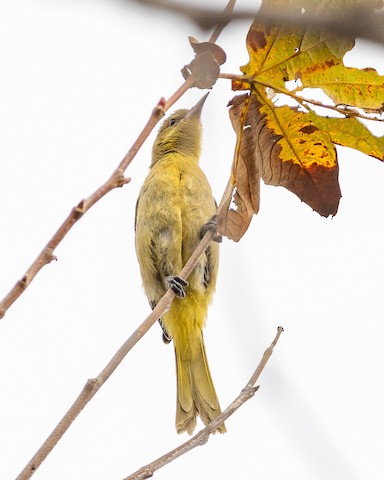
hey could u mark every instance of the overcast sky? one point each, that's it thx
(79, 80)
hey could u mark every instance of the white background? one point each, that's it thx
(78, 81)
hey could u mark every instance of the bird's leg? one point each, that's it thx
(177, 284)
(211, 225)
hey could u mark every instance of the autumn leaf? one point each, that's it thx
(233, 223)
(349, 86)
(282, 53)
(284, 148)
(349, 132)
(294, 147)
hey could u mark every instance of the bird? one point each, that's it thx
(174, 209)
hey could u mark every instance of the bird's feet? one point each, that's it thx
(177, 284)
(211, 226)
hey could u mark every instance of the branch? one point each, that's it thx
(362, 23)
(220, 25)
(117, 179)
(203, 436)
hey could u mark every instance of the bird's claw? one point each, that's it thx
(177, 284)
(211, 226)
(166, 337)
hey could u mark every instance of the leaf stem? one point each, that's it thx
(347, 111)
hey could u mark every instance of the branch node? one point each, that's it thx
(79, 211)
(23, 282)
(248, 392)
(204, 438)
(91, 385)
(48, 255)
(119, 180)
(159, 110)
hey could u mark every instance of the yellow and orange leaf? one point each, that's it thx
(349, 86)
(349, 132)
(294, 147)
(284, 148)
(281, 53)
(304, 160)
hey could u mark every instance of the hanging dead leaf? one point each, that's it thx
(201, 47)
(244, 187)
(205, 67)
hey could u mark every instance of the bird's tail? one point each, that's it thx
(196, 394)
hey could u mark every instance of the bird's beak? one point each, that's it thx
(195, 111)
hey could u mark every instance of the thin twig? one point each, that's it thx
(92, 386)
(117, 179)
(202, 437)
(363, 23)
(221, 25)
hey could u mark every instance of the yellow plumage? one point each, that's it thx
(174, 204)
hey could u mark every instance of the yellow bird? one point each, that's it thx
(173, 211)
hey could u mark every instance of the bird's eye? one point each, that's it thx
(172, 122)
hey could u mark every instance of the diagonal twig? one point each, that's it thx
(202, 437)
(117, 179)
(220, 25)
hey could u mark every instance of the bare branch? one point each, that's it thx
(92, 386)
(203, 436)
(228, 11)
(362, 23)
(117, 179)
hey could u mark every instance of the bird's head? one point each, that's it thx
(180, 133)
